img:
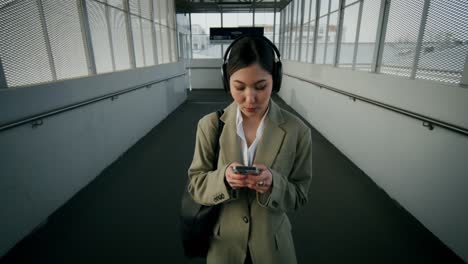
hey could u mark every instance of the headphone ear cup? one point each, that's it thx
(278, 76)
(225, 78)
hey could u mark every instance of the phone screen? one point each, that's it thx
(246, 170)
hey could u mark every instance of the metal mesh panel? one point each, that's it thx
(157, 16)
(23, 48)
(332, 37)
(66, 40)
(348, 36)
(277, 28)
(148, 42)
(400, 39)
(367, 34)
(99, 36)
(445, 43)
(169, 45)
(4, 3)
(287, 24)
(163, 11)
(165, 44)
(174, 46)
(171, 14)
(348, 2)
(170, 41)
(297, 28)
(145, 6)
(290, 32)
(265, 20)
(295, 35)
(306, 8)
(304, 43)
(116, 3)
(157, 28)
(134, 6)
(137, 41)
(118, 26)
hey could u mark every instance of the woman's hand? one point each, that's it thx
(235, 180)
(261, 183)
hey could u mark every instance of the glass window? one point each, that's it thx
(324, 7)
(201, 46)
(237, 19)
(334, 5)
(265, 20)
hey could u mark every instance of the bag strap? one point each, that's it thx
(220, 112)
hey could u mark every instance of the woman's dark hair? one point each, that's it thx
(248, 51)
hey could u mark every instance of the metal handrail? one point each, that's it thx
(428, 122)
(113, 96)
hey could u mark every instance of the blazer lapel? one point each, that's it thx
(272, 138)
(230, 146)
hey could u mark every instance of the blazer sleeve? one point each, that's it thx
(207, 186)
(289, 192)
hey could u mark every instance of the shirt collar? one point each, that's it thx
(240, 119)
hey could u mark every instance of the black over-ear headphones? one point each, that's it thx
(277, 66)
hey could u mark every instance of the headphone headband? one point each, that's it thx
(228, 50)
(277, 66)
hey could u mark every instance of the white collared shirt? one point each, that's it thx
(248, 153)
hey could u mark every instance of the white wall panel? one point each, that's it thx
(424, 170)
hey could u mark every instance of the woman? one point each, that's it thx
(252, 225)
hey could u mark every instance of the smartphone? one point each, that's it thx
(246, 170)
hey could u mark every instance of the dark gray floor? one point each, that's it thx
(129, 213)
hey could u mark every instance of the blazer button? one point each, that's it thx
(246, 219)
(274, 203)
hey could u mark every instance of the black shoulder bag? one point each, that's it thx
(197, 221)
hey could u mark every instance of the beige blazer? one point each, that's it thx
(249, 219)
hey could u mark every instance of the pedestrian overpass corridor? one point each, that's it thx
(129, 213)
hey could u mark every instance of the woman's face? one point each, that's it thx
(251, 89)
